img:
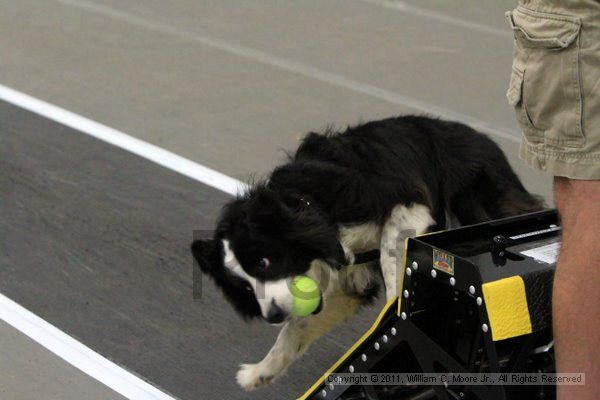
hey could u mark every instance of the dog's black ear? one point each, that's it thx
(264, 212)
(319, 240)
(207, 253)
(266, 208)
(263, 199)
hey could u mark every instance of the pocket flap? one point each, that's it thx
(544, 29)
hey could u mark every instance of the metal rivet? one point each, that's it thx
(484, 327)
(376, 345)
(479, 301)
(363, 357)
(393, 331)
(323, 393)
(452, 281)
(384, 338)
(406, 294)
(408, 271)
(433, 273)
(351, 368)
(415, 266)
(472, 289)
(403, 315)
(330, 386)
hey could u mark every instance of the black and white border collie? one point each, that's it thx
(342, 194)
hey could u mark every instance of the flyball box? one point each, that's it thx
(476, 299)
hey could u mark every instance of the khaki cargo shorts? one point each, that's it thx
(555, 85)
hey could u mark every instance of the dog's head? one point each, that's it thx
(262, 241)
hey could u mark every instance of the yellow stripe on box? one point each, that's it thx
(404, 262)
(351, 350)
(506, 305)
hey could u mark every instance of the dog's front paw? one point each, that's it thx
(359, 280)
(252, 376)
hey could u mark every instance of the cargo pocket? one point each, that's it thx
(515, 99)
(545, 87)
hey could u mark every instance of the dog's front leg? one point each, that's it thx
(282, 354)
(295, 338)
(404, 222)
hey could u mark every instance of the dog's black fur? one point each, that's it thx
(355, 177)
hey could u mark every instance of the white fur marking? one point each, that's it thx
(403, 222)
(267, 293)
(360, 238)
(271, 293)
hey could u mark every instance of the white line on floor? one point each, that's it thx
(144, 149)
(298, 68)
(402, 6)
(77, 354)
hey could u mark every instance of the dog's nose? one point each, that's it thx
(275, 314)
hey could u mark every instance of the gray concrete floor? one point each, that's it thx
(213, 79)
(230, 84)
(29, 371)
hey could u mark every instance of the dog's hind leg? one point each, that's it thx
(468, 208)
(404, 222)
(296, 336)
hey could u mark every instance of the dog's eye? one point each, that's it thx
(248, 288)
(263, 264)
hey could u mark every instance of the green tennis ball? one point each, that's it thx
(307, 296)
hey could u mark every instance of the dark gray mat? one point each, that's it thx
(95, 240)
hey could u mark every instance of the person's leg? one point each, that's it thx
(576, 293)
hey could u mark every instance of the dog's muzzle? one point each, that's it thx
(276, 315)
